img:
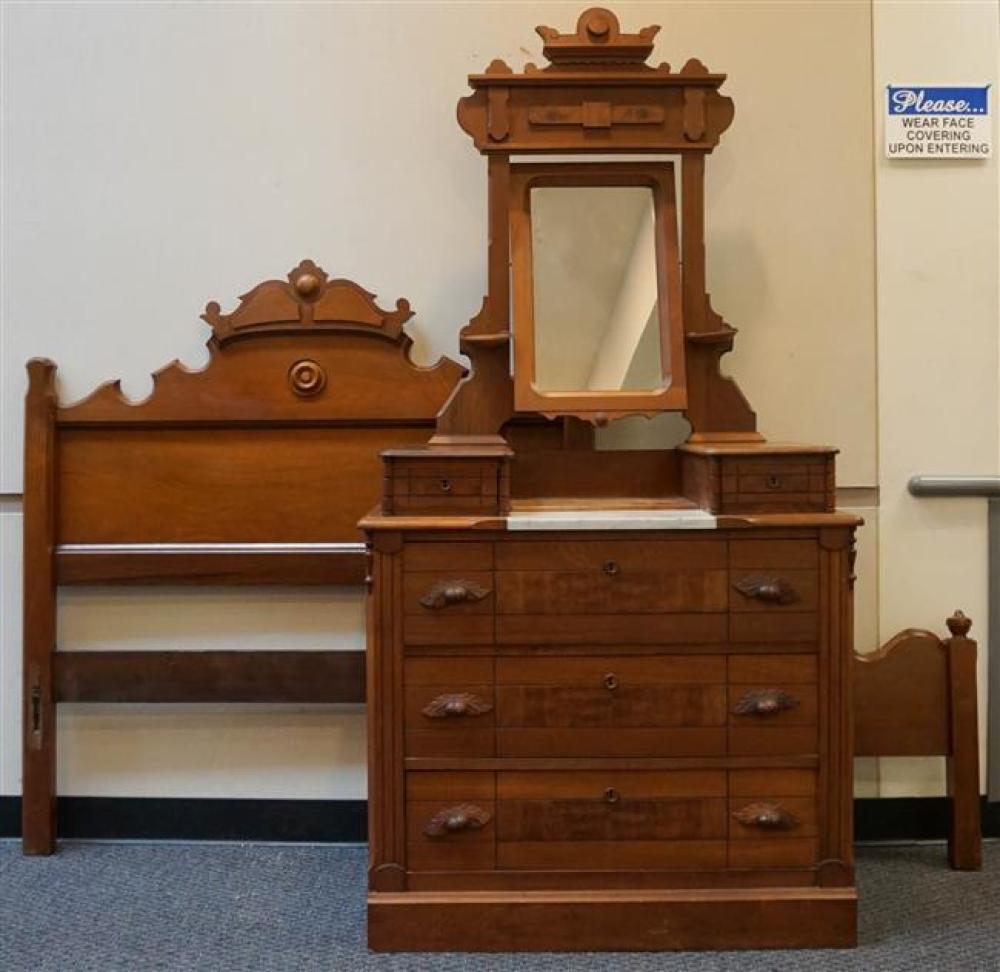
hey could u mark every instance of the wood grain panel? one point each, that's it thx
(773, 740)
(789, 852)
(787, 554)
(199, 568)
(591, 671)
(450, 741)
(601, 742)
(629, 819)
(443, 786)
(448, 557)
(629, 591)
(457, 670)
(772, 782)
(469, 629)
(612, 855)
(210, 676)
(792, 627)
(159, 485)
(611, 629)
(631, 706)
(760, 669)
(657, 555)
(590, 783)
(626, 920)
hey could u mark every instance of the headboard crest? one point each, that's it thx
(308, 300)
(302, 350)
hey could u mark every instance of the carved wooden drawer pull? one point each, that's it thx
(766, 816)
(765, 702)
(768, 588)
(456, 704)
(446, 593)
(452, 820)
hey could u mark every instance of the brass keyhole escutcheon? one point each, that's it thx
(774, 482)
(611, 681)
(611, 795)
(611, 568)
(445, 485)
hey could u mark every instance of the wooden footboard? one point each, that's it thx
(916, 696)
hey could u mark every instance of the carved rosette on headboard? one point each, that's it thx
(306, 348)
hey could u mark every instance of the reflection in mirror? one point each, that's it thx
(667, 430)
(596, 314)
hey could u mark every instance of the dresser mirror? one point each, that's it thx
(598, 329)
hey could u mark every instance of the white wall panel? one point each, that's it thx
(157, 156)
(937, 341)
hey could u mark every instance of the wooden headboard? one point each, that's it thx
(254, 470)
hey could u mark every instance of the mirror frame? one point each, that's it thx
(597, 406)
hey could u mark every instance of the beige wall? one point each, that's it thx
(938, 320)
(158, 156)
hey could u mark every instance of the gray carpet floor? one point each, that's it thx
(101, 907)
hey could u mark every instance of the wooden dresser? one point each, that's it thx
(645, 729)
(608, 692)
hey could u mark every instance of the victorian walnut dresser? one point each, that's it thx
(608, 690)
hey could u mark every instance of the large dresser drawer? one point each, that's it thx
(612, 820)
(574, 706)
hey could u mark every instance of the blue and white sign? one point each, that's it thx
(933, 121)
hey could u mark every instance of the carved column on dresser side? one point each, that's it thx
(836, 790)
(386, 806)
(38, 812)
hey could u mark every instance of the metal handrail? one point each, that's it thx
(987, 487)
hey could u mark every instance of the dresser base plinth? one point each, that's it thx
(590, 921)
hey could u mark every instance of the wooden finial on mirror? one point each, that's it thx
(598, 40)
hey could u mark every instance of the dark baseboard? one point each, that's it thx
(142, 818)
(333, 821)
(913, 818)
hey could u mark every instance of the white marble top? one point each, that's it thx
(611, 520)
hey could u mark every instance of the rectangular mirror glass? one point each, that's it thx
(597, 319)
(595, 296)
